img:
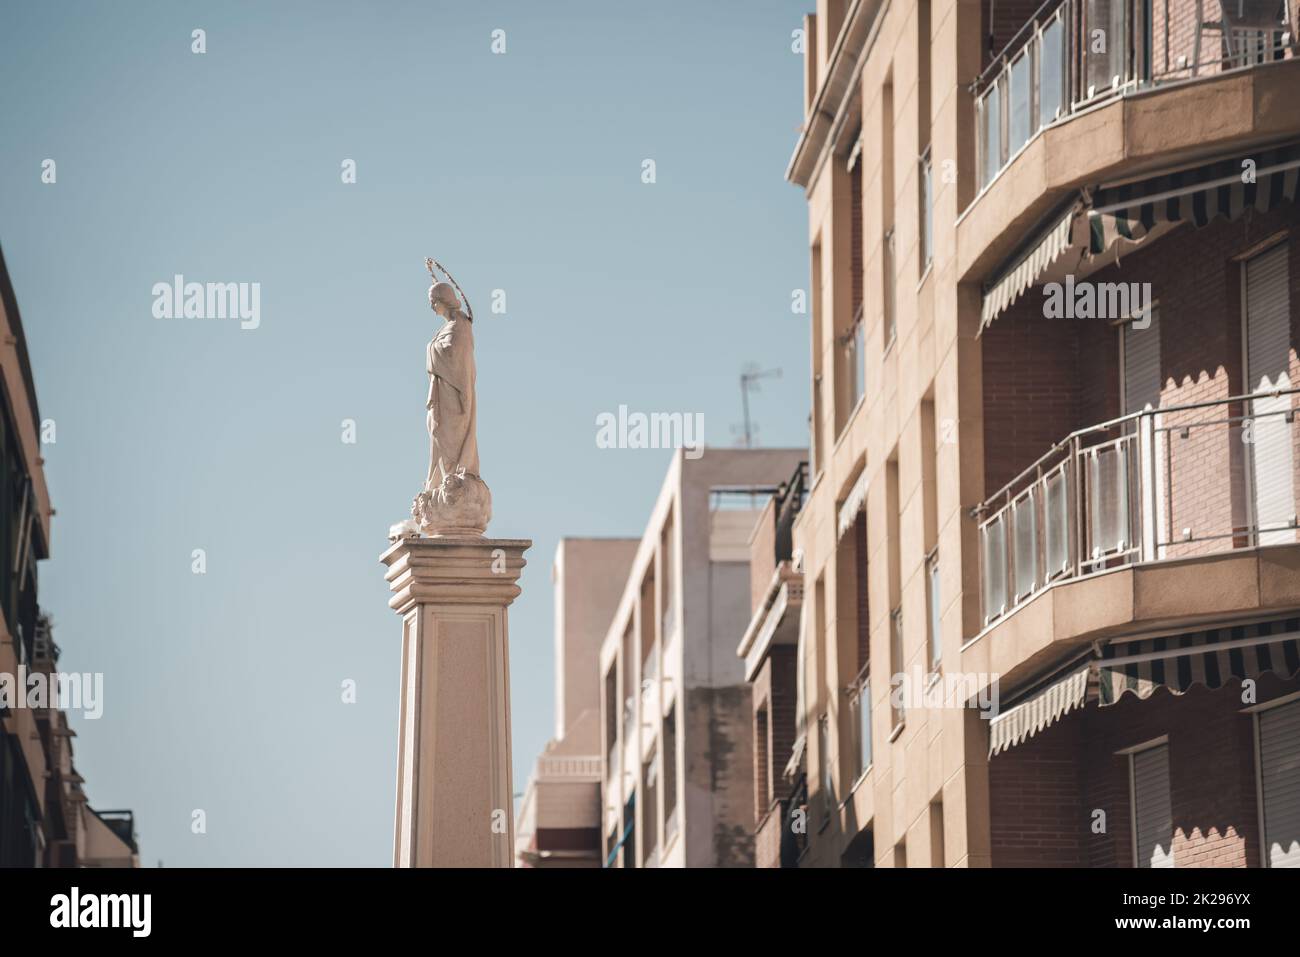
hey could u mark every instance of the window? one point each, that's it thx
(824, 759)
(670, 774)
(611, 719)
(892, 536)
(891, 319)
(650, 804)
(860, 708)
(930, 530)
(934, 624)
(887, 206)
(815, 422)
(896, 663)
(1277, 728)
(926, 227)
(852, 370)
(762, 765)
(936, 834)
(1153, 818)
(629, 832)
(668, 580)
(927, 212)
(1103, 62)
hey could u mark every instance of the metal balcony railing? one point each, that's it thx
(1164, 483)
(859, 695)
(1073, 54)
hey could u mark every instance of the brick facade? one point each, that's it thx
(1044, 378)
(1046, 792)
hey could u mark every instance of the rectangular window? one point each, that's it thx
(862, 713)
(936, 834)
(612, 710)
(670, 774)
(650, 805)
(668, 580)
(762, 765)
(1103, 64)
(815, 421)
(896, 663)
(827, 767)
(891, 318)
(927, 212)
(934, 625)
(893, 517)
(1153, 819)
(1278, 732)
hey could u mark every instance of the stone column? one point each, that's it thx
(454, 797)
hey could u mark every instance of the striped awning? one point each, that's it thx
(1199, 196)
(853, 503)
(1003, 293)
(1209, 658)
(1042, 710)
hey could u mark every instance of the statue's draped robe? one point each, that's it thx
(452, 413)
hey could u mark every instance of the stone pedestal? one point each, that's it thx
(455, 803)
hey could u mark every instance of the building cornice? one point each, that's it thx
(835, 93)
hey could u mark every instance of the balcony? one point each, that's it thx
(776, 588)
(1165, 484)
(1073, 55)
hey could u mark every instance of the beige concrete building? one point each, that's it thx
(45, 820)
(675, 706)
(559, 821)
(1030, 477)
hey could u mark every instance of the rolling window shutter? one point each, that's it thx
(1142, 366)
(1268, 357)
(1279, 763)
(1155, 817)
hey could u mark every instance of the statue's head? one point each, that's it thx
(443, 299)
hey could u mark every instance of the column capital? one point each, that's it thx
(454, 571)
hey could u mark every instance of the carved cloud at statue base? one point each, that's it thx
(460, 506)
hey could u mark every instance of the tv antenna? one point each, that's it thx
(750, 377)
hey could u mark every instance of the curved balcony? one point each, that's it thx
(1165, 484)
(1093, 89)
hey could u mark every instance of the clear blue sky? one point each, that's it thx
(520, 172)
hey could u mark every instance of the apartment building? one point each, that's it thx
(45, 820)
(675, 705)
(1049, 548)
(559, 821)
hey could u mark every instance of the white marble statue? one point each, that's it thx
(455, 500)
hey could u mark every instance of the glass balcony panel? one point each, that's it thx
(1056, 530)
(993, 546)
(1024, 517)
(1108, 501)
(1020, 113)
(1051, 72)
(991, 132)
